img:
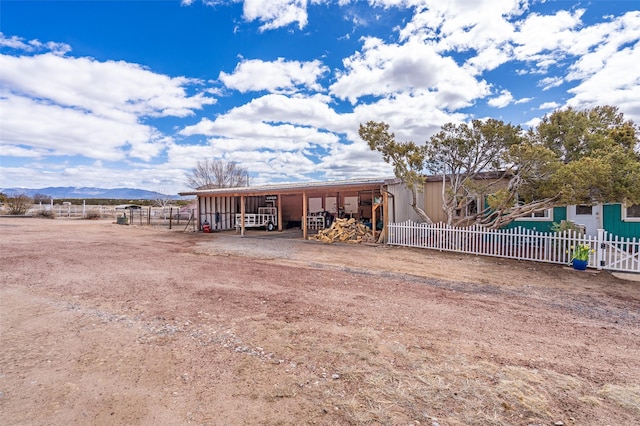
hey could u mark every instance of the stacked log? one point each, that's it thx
(344, 231)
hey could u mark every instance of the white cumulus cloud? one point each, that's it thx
(279, 75)
(502, 100)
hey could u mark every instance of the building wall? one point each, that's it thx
(559, 214)
(613, 223)
(611, 220)
(430, 199)
(433, 196)
(291, 210)
(218, 211)
(433, 201)
(400, 209)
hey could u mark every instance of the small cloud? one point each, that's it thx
(549, 105)
(533, 122)
(13, 42)
(550, 82)
(19, 43)
(501, 101)
(523, 100)
(276, 14)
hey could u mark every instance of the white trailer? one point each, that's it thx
(267, 217)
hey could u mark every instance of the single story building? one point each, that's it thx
(309, 206)
(615, 218)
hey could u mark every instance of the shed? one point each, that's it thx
(291, 205)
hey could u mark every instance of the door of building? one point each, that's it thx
(590, 217)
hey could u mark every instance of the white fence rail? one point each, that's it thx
(143, 216)
(609, 252)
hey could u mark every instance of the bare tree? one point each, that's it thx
(210, 173)
(162, 200)
(41, 198)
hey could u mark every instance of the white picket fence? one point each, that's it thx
(609, 252)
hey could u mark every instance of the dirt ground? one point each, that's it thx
(107, 324)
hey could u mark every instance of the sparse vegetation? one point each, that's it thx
(92, 214)
(566, 225)
(18, 204)
(41, 198)
(47, 214)
(210, 173)
(395, 336)
(115, 202)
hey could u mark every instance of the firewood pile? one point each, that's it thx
(345, 231)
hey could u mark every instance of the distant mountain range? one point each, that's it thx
(86, 192)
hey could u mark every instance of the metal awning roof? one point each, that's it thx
(289, 188)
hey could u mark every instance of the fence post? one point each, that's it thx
(600, 250)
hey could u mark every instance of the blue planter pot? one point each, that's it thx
(580, 265)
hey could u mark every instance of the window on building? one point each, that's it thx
(470, 207)
(631, 213)
(542, 215)
(331, 204)
(584, 210)
(315, 205)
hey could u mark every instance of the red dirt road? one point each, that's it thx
(109, 324)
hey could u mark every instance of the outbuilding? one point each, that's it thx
(309, 206)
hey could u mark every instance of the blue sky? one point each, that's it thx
(132, 93)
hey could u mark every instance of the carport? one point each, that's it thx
(306, 205)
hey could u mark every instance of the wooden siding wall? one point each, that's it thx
(613, 223)
(291, 209)
(218, 211)
(252, 203)
(433, 198)
(433, 201)
(365, 200)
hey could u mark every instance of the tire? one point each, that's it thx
(270, 227)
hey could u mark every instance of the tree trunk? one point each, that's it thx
(414, 204)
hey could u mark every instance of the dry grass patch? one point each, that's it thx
(627, 397)
(458, 392)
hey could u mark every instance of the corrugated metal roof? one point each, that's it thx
(289, 187)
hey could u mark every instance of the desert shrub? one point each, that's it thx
(567, 225)
(92, 214)
(48, 214)
(18, 204)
